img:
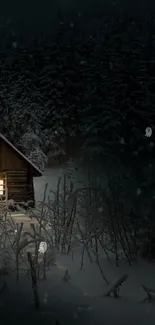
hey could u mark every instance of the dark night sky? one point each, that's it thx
(34, 11)
(36, 14)
(32, 16)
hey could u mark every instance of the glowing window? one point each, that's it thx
(1, 187)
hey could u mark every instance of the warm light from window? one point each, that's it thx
(1, 187)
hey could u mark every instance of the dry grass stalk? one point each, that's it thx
(34, 280)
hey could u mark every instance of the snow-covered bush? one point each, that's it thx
(38, 157)
(32, 144)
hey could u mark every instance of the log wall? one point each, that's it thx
(9, 158)
(19, 174)
(19, 189)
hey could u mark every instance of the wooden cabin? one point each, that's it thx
(16, 174)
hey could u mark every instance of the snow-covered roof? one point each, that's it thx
(20, 153)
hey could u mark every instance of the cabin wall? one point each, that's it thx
(30, 185)
(17, 185)
(20, 185)
(0, 154)
(9, 159)
(19, 174)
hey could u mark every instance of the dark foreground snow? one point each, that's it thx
(80, 300)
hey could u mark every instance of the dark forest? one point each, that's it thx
(78, 80)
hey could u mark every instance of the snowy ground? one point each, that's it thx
(51, 176)
(80, 300)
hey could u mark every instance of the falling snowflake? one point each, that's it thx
(14, 45)
(82, 62)
(138, 192)
(71, 24)
(111, 65)
(45, 298)
(122, 141)
(75, 316)
(151, 144)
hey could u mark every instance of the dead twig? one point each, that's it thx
(34, 280)
(150, 294)
(115, 289)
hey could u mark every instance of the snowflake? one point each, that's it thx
(138, 192)
(14, 45)
(122, 141)
(71, 24)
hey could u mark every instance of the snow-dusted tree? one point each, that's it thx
(32, 144)
(102, 92)
(38, 157)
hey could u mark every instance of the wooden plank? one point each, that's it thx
(2, 175)
(16, 192)
(0, 153)
(19, 198)
(15, 185)
(17, 180)
(17, 175)
(15, 172)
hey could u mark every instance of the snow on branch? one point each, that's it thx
(150, 294)
(115, 289)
